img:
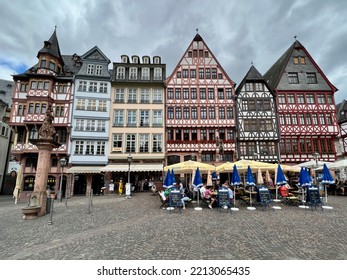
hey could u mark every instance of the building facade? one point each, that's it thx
(257, 129)
(137, 127)
(305, 105)
(48, 85)
(200, 117)
(341, 111)
(90, 123)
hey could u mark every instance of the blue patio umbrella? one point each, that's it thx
(235, 180)
(327, 179)
(167, 181)
(197, 182)
(250, 182)
(280, 180)
(214, 175)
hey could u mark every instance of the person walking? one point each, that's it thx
(111, 187)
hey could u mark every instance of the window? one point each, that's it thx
(90, 148)
(117, 142)
(143, 143)
(311, 78)
(51, 66)
(321, 99)
(211, 94)
(186, 113)
(321, 119)
(203, 134)
(81, 104)
(59, 111)
(157, 96)
(178, 134)
(201, 73)
(194, 113)
(131, 142)
(310, 99)
(103, 87)
(212, 113)
(46, 85)
(31, 108)
(144, 118)
(301, 98)
(202, 93)
(90, 69)
(259, 87)
(203, 113)
(308, 119)
(211, 135)
(79, 125)
(178, 93)
(90, 125)
(133, 73)
(299, 60)
(43, 63)
(91, 105)
(79, 147)
(221, 113)
(131, 118)
(120, 73)
(93, 87)
(39, 85)
(192, 73)
(145, 96)
(157, 73)
(119, 98)
(329, 119)
(37, 108)
(157, 143)
(229, 93)
(24, 87)
(249, 86)
(281, 99)
(145, 73)
(315, 119)
(230, 113)
(170, 113)
(178, 74)
(98, 70)
(186, 93)
(208, 73)
(291, 98)
(101, 126)
(157, 118)
(102, 106)
(82, 86)
(178, 113)
(281, 119)
(170, 93)
(118, 118)
(62, 88)
(230, 134)
(214, 73)
(100, 148)
(293, 78)
(33, 85)
(132, 98)
(220, 93)
(185, 73)
(193, 93)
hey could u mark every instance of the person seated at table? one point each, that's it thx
(231, 195)
(208, 196)
(284, 191)
(184, 198)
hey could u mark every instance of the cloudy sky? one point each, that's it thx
(237, 32)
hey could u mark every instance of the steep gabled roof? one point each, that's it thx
(274, 75)
(95, 50)
(340, 108)
(51, 47)
(198, 38)
(253, 75)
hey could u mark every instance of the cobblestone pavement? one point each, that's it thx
(137, 229)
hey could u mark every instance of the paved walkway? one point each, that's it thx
(136, 229)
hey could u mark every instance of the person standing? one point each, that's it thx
(111, 187)
(120, 187)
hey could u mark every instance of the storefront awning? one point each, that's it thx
(133, 167)
(84, 169)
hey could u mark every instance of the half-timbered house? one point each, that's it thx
(341, 111)
(200, 118)
(305, 106)
(257, 129)
(47, 84)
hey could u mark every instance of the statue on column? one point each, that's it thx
(47, 131)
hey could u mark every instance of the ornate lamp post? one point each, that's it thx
(316, 157)
(128, 186)
(62, 164)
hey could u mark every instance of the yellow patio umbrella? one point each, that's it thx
(243, 164)
(189, 166)
(223, 166)
(209, 179)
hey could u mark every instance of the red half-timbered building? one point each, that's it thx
(306, 107)
(46, 85)
(200, 118)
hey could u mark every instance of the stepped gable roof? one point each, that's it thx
(51, 47)
(274, 74)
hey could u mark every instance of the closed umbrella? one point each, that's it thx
(167, 181)
(209, 179)
(250, 183)
(280, 180)
(235, 181)
(304, 182)
(260, 180)
(197, 182)
(327, 179)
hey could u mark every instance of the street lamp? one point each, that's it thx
(128, 186)
(62, 164)
(316, 156)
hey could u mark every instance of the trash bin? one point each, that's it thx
(48, 204)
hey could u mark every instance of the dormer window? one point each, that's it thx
(43, 63)
(146, 60)
(135, 59)
(124, 59)
(156, 60)
(90, 69)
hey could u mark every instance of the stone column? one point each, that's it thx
(39, 194)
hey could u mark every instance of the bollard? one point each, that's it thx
(50, 222)
(89, 202)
